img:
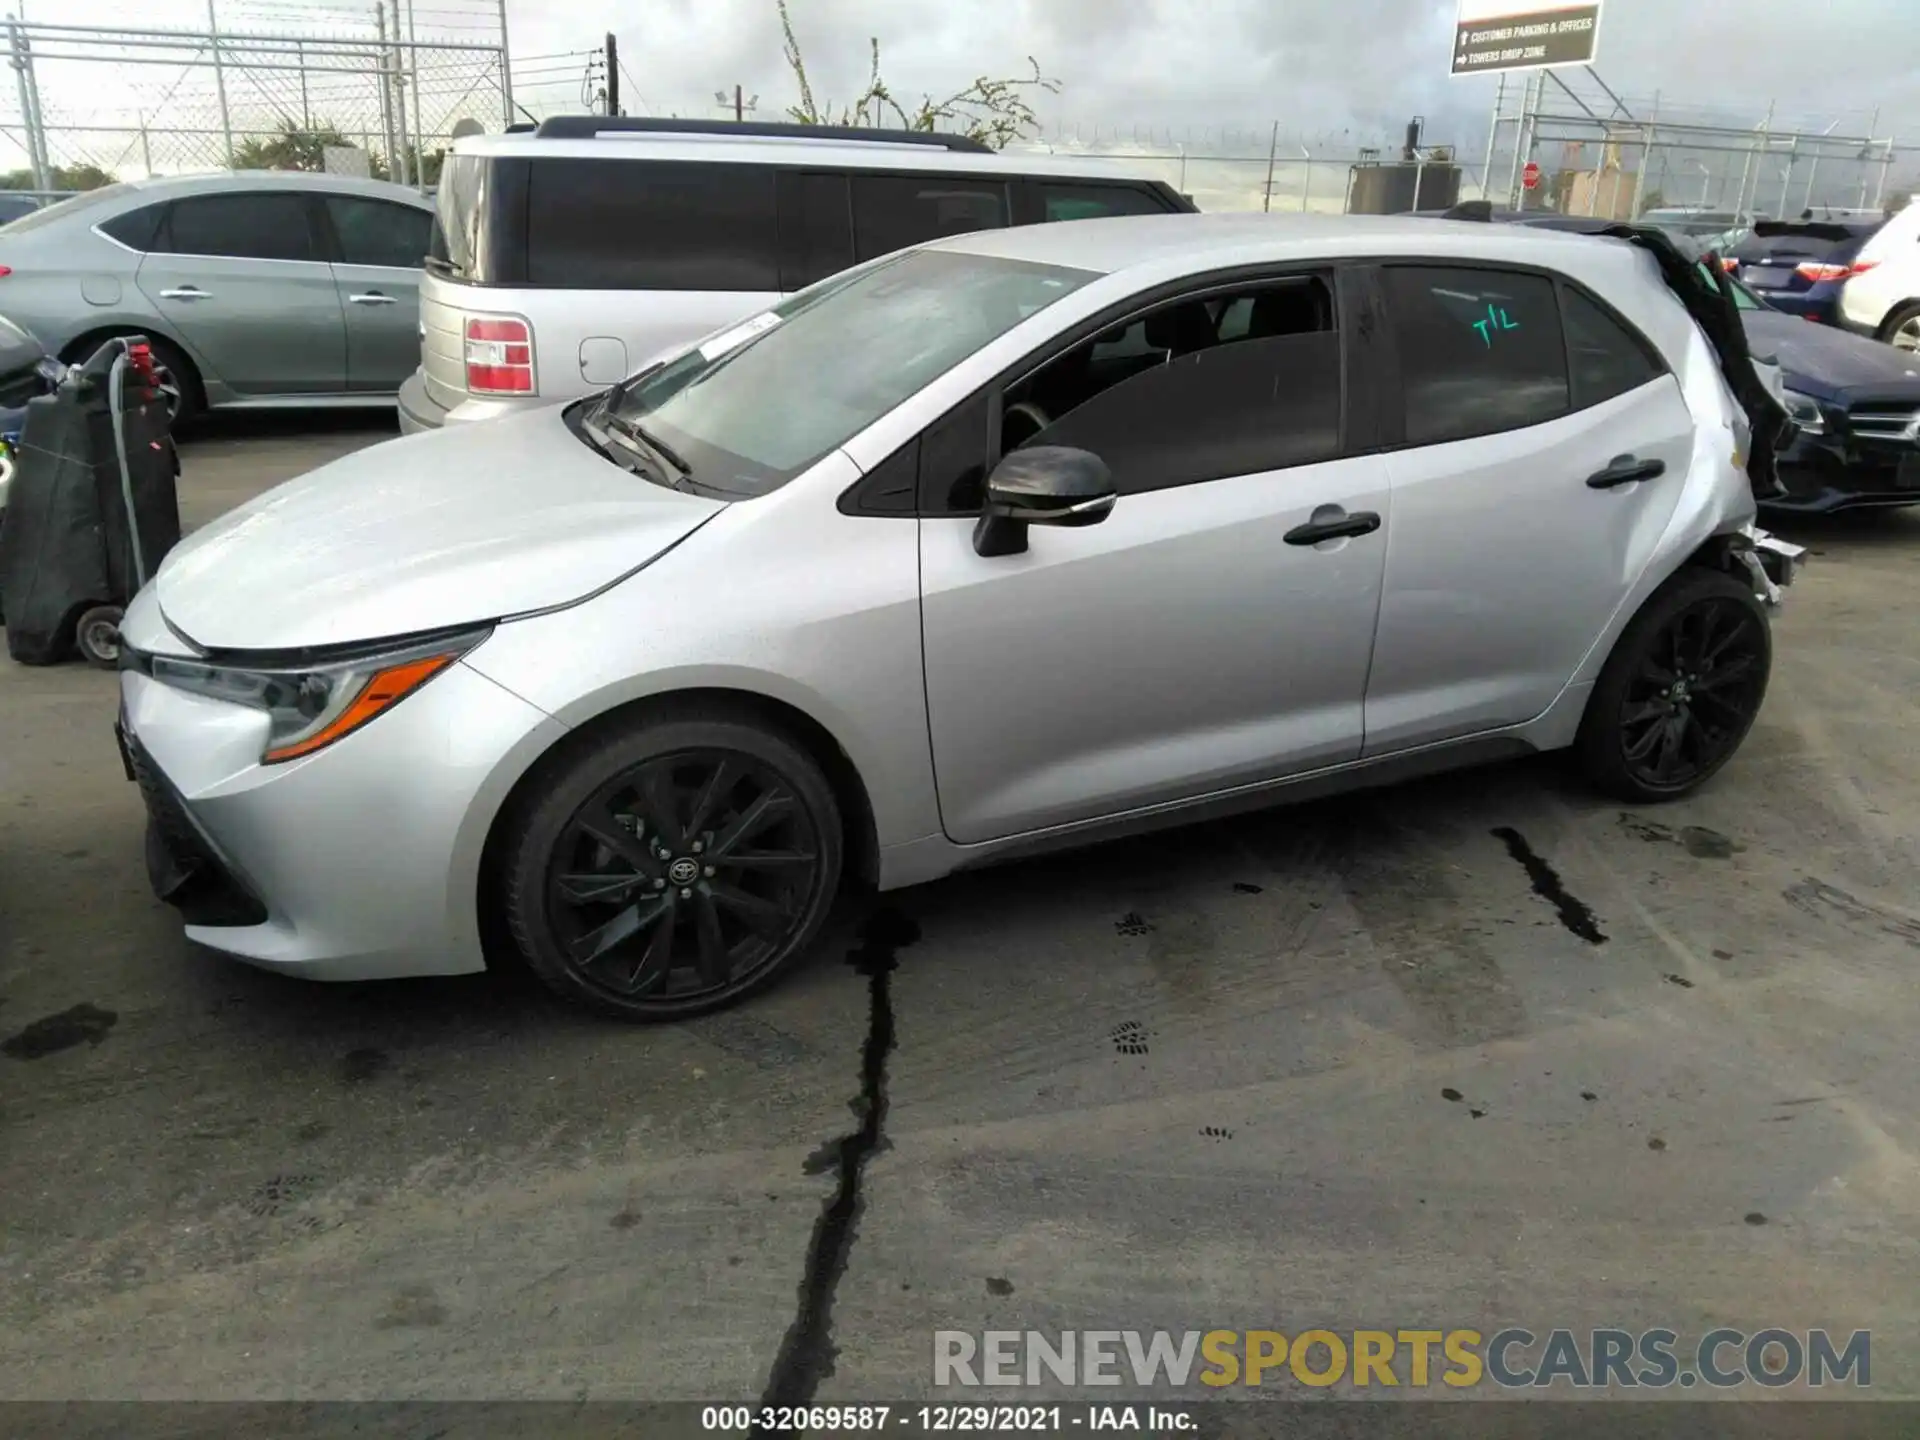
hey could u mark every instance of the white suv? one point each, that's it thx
(567, 256)
(1882, 297)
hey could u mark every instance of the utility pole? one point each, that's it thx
(386, 90)
(394, 78)
(418, 160)
(613, 74)
(29, 108)
(739, 104)
(1273, 153)
(220, 81)
(506, 69)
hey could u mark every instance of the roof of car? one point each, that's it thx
(202, 182)
(1217, 241)
(743, 149)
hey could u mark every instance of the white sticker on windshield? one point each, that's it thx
(733, 339)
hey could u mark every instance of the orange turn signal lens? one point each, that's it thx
(387, 688)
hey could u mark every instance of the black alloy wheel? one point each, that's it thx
(1681, 690)
(676, 870)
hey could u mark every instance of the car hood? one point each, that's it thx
(1826, 363)
(464, 524)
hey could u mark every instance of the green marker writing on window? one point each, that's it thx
(1496, 320)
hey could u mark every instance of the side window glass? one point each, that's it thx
(377, 232)
(136, 228)
(266, 225)
(816, 229)
(597, 224)
(1480, 351)
(1222, 386)
(1164, 335)
(1091, 202)
(891, 212)
(1606, 359)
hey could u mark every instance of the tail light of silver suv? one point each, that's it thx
(499, 354)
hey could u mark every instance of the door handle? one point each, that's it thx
(372, 297)
(1624, 470)
(1340, 527)
(185, 292)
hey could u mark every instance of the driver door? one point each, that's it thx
(1194, 641)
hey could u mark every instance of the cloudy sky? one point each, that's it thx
(1205, 74)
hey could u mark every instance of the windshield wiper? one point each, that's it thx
(599, 441)
(633, 432)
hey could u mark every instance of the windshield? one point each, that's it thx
(753, 407)
(72, 205)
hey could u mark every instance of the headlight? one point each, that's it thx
(311, 706)
(1805, 412)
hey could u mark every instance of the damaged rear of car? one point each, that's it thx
(1765, 427)
(1759, 389)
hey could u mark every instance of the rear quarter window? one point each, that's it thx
(136, 228)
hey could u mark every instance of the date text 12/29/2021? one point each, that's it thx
(938, 1419)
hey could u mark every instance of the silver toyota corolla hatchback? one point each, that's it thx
(1010, 541)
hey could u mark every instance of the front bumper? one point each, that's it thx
(358, 862)
(1827, 473)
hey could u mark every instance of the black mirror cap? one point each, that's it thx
(1051, 484)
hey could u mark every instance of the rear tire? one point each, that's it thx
(1902, 328)
(1680, 691)
(674, 867)
(181, 388)
(186, 397)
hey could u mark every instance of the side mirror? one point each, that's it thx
(1043, 485)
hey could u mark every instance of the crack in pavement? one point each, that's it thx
(807, 1352)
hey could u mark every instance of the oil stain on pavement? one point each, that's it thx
(49, 1035)
(1548, 885)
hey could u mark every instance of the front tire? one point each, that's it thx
(675, 867)
(1680, 690)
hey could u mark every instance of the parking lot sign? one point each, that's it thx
(1493, 35)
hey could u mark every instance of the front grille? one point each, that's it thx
(182, 867)
(1884, 422)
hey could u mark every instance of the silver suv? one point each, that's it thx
(263, 288)
(567, 258)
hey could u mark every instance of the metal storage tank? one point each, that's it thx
(1390, 189)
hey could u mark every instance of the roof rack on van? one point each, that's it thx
(586, 127)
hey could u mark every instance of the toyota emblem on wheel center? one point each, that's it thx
(684, 871)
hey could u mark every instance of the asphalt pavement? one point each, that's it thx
(1478, 1051)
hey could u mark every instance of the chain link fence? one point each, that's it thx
(1603, 152)
(1276, 169)
(90, 103)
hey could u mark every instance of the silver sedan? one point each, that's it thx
(266, 289)
(1012, 541)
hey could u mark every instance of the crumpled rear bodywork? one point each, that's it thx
(1756, 384)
